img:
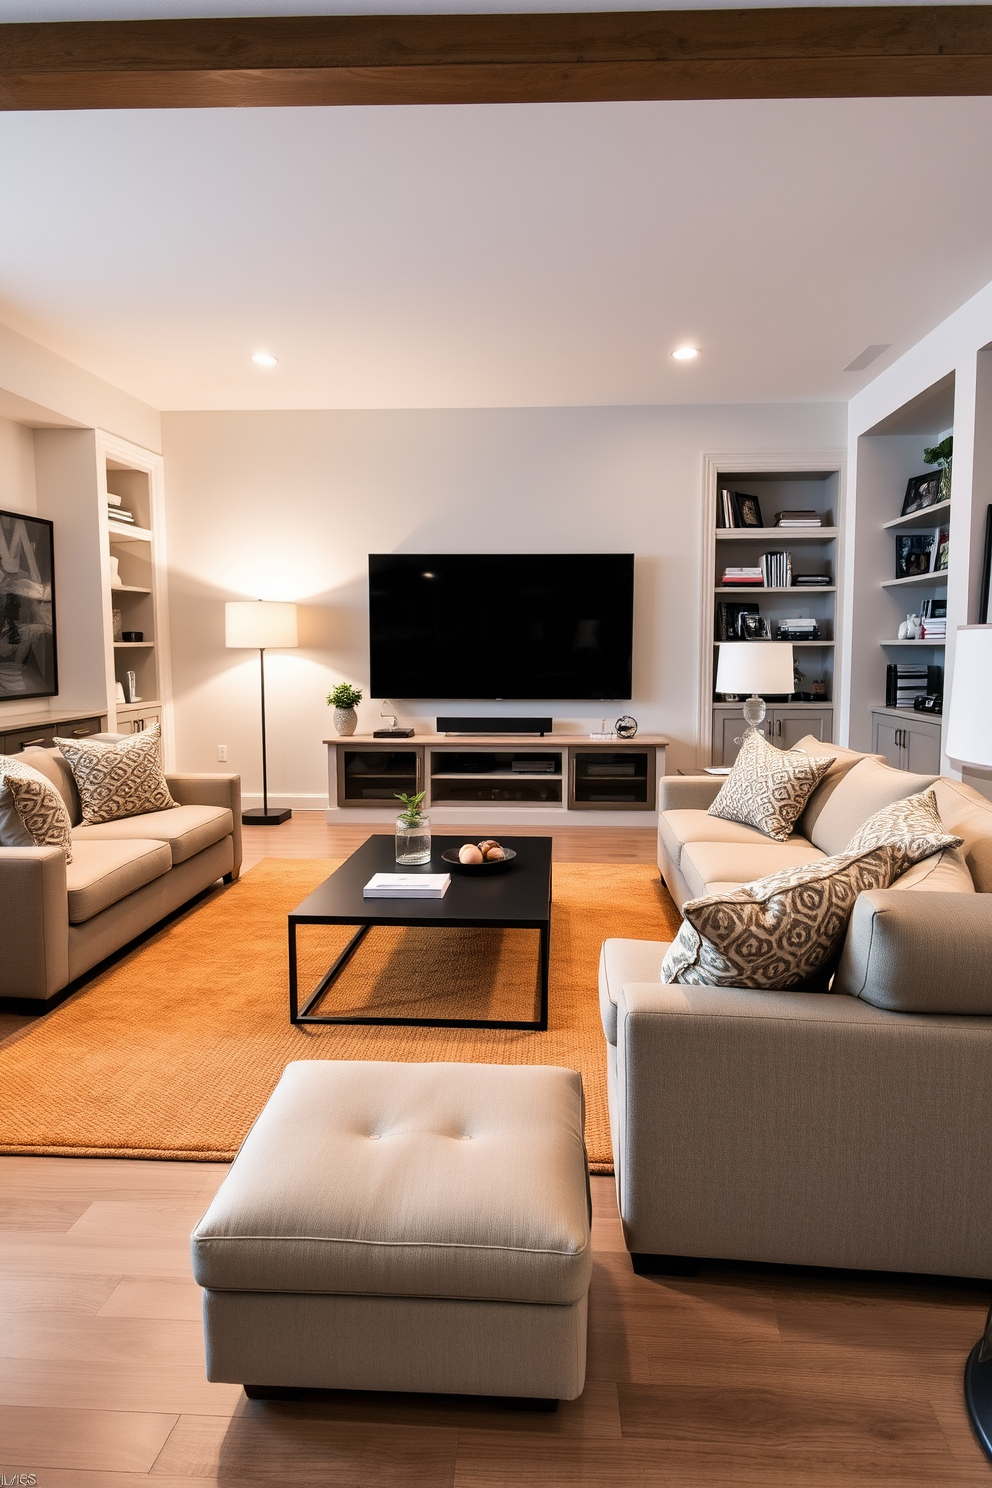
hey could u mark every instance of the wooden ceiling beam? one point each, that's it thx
(821, 52)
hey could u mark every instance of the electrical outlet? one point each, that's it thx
(222, 752)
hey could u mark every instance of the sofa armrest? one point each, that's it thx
(211, 790)
(919, 952)
(803, 1128)
(34, 922)
(688, 792)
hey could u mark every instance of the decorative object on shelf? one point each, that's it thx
(984, 615)
(941, 550)
(115, 572)
(344, 699)
(752, 627)
(743, 668)
(940, 454)
(131, 687)
(413, 830)
(921, 492)
(116, 620)
(603, 732)
(913, 554)
(261, 625)
(797, 628)
(739, 510)
(393, 731)
(119, 693)
(134, 636)
(909, 628)
(626, 727)
(28, 662)
(727, 619)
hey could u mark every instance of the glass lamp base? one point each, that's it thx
(754, 712)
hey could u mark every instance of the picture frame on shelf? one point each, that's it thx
(914, 554)
(921, 492)
(28, 650)
(747, 510)
(941, 550)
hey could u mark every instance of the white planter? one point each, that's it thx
(345, 721)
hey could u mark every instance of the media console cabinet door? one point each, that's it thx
(911, 742)
(612, 779)
(372, 775)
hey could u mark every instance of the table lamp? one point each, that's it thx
(754, 667)
(969, 742)
(262, 625)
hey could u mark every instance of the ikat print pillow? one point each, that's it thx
(32, 813)
(120, 779)
(912, 828)
(778, 931)
(768, 787)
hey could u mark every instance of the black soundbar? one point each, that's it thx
(540, 726)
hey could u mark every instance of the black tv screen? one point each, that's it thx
(501, 625)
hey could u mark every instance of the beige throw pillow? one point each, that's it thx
(768, 787)
(911, 827)
(32, 813)
(120, 779)
(778, 931)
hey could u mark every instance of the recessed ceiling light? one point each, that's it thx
(264, 359)
(685, 353)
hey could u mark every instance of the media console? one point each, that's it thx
(542, 781)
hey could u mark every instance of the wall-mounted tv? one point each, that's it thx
(490, 626)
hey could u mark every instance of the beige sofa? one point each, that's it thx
(851, 1127)
(58, 920)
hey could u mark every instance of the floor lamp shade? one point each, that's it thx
(969, 713)
(261, 624)
(747, 667)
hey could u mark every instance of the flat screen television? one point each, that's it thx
(491, 626)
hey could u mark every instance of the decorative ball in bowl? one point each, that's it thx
(487, 856)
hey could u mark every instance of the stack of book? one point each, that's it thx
(933, 629)
(776, 570)
(904, 683)
(798, 628)
(753, 575)
(116, 512)
(812, 581)
(407, 886)
(798, 519)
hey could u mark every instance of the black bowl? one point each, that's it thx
(450, 856)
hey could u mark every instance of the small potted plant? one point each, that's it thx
(413, 830)
(344, 699)
(941, 454)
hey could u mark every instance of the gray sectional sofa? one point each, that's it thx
(844, 1128)
(58, 920)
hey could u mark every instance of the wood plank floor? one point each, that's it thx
(743, 1377)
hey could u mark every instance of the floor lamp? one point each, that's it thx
(262, 625)
(969, 742)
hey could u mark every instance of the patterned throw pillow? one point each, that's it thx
(912, 828)
(778, 931)
(32, 813)
(120, 779)
(768, 787)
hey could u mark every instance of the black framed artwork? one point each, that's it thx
(922, 491)
(984, 617)
(28, 659)
(747, 510)
(914, 555)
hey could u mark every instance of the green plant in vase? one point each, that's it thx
(413, 830)
(940, 454)
(344, 699)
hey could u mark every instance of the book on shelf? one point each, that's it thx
(905, 682)
(407, 886)
(798, 519)
(811, 581)
(118, 514)
(748, 574)
(113, 500)
(933, 609)
(737, 509)
(776, 570)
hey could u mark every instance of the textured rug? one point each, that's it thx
(173, 1052)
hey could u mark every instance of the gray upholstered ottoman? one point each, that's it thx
(417, 1227)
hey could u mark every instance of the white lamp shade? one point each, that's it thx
(260, 624)
(755, 667)
(969, 713)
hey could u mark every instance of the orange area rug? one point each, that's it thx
(174, 1051)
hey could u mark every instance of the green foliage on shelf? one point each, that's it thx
(413, 805)
(344, 696)
(940, 454)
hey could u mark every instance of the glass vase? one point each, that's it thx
(944, 494)
(413, 840)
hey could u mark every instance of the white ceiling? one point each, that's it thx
(493, 255)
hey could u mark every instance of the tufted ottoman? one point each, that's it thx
(420, 1227)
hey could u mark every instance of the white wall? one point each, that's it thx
(17, 477)
(288, 506)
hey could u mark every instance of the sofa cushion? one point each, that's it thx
(767, 787)
(942, 873)
(102, 873)
(704, 863)
(964, 811)
(186, 829)
(865, 789)
(911, 827)
(53, 764)
(678, 827)
(32, 813)
(118, 779)
(777, 932)
(843, 760)
(407, 1180)
(620, 962)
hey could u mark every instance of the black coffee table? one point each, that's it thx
(518, 898)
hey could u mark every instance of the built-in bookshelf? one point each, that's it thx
(133, 519)
(755, 498)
